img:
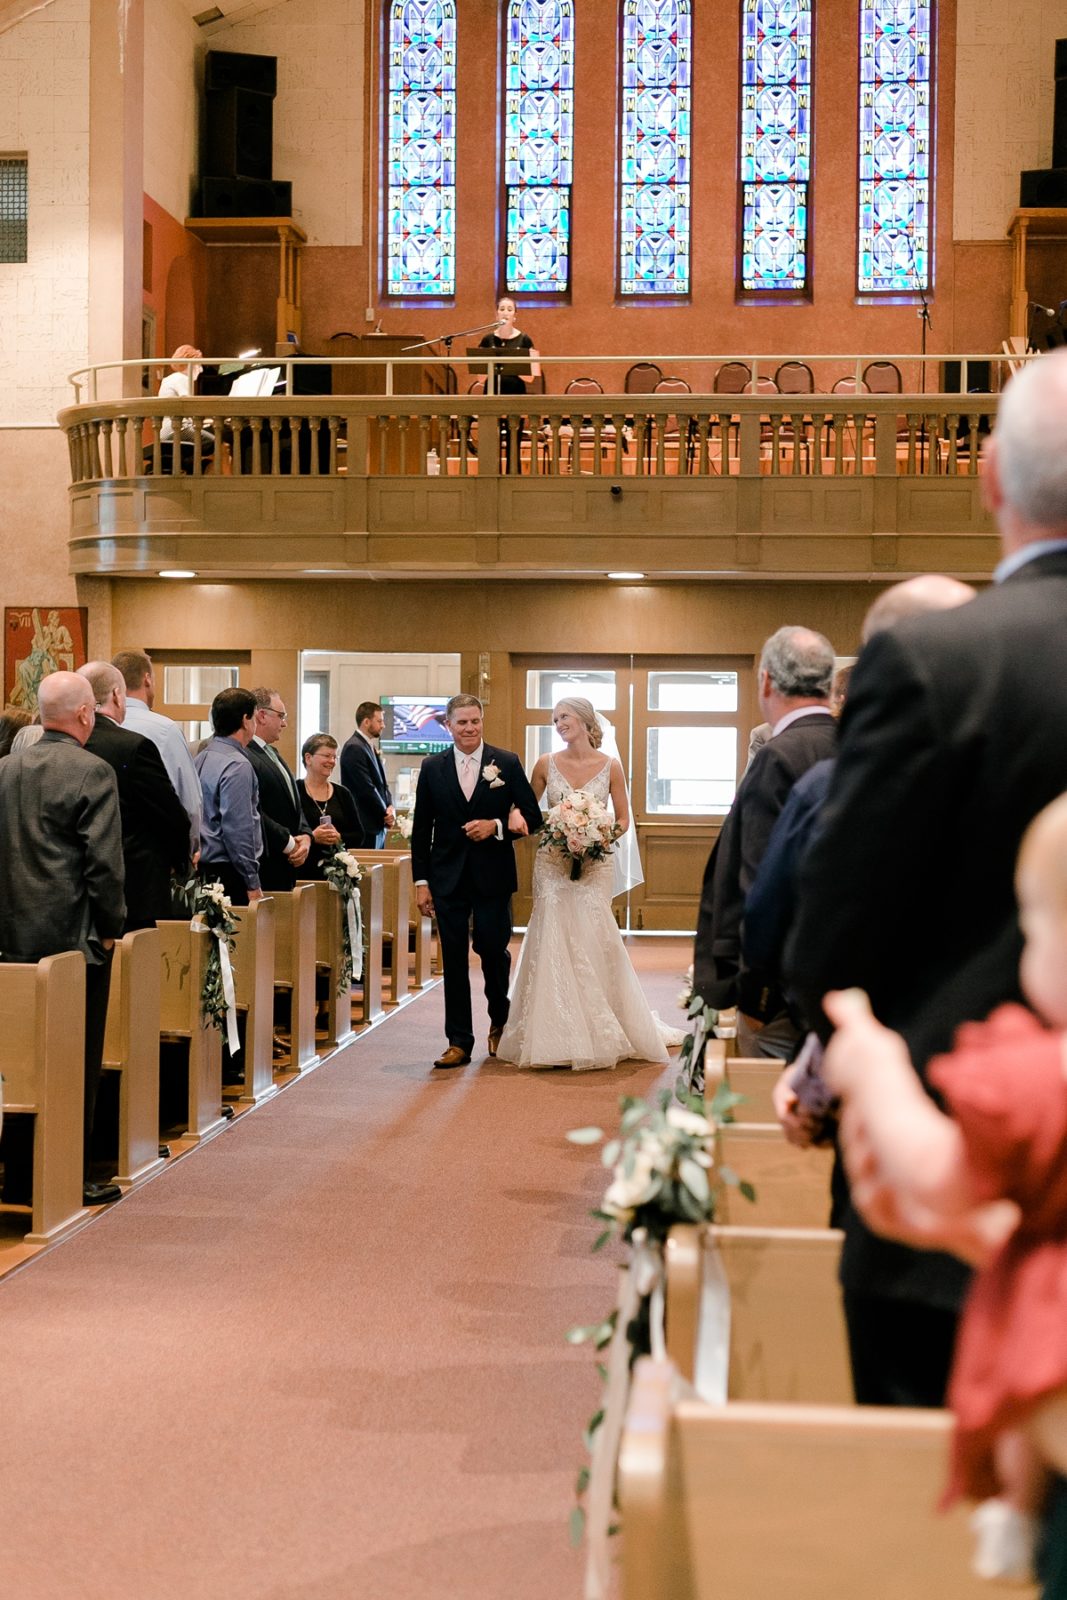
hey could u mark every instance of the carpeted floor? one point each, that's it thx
(322, 1358)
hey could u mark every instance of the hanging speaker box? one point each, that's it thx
(245, 197)
(231, 69)
(238, 134)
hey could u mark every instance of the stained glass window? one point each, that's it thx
(775, 143)
(421, 244)
(654, 197)
(895, 145)
(538, 144)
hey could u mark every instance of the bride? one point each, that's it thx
(575, 999)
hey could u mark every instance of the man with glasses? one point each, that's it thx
(285, 839)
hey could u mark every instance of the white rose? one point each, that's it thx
(688, 1122)
(643, 1183)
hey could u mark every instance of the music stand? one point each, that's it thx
(478, 363)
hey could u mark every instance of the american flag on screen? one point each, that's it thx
(409, 721)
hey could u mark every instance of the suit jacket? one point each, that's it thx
(155, 826)
(951, 742)
(61, 871)
(363, 776)
(441, 852)
(282, 819)
(718, 972)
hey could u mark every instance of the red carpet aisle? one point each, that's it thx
(322, 1358)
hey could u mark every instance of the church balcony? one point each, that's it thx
(683, 484)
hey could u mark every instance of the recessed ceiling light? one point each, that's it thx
(625, 574)
(177, 572)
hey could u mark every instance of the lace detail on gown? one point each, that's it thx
(576, 1000)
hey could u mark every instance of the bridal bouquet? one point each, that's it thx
(581, 828)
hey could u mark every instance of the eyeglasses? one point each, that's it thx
(270, 711)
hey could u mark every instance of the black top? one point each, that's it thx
(341, 810)
(506, 382)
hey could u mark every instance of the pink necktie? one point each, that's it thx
(468, 777)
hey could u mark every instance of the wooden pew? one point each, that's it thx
(367, 1004)
(792, 1186)
(746, 1501)
(42, 1059)
(294, 968)
(422, 958)
(755, 1078)
(787, 1330)
(131, 1048)
(396, 913)
(328, 958)
(183, 953)
(253, 981)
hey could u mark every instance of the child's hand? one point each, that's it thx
(860, 1043)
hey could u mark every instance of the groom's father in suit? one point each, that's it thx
(463, 860)
(286, 840)
(363, 775)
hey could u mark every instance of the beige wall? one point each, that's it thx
(174, 49)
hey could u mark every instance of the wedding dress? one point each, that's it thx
(575, 998)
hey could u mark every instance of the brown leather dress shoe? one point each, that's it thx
(453, 1057)
(494, 1040)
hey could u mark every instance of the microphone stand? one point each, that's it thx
(924, 325)
(446, 339)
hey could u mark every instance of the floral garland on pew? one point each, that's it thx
(663, 1173)
(210, 907)
(342, 872)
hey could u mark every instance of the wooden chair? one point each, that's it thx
(396, 913)
(367, 1004)
(642, 378)
(294, 968)
(787, 1329)
(253, 981)
(731, 378)
(795, 377)
(672, 427)
(328, 958)
(882, 377)
(42, 1059)
(131, 1048)
(748, 1500)
(183, 953)
(792, 1186)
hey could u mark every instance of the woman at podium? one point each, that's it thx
(507, 340)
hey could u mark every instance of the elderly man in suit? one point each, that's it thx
(795, 677)
(951, 742)
(286, 840)
(61, 871)
(463, 861)
(363, 775)
(155, 828)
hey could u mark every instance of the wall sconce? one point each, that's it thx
(485, 683)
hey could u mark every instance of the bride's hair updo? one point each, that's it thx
(583, 710)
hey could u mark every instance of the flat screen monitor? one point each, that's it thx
(414, 725)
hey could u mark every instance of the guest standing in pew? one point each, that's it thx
(950, 745)
(329, 809)
(232, 836)
(155, 829)
(285, 840)
(796, 671)
(61, 882)
(363, 775)
(139, 677)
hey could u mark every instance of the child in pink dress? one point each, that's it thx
(990, 1182)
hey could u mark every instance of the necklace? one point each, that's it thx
(322, 804)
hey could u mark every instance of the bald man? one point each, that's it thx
(155, 827)
(61, 873)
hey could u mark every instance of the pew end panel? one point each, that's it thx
(396, 915)
(294, 969)
(792, 1186)
(755, 1080)
(328, 961)
(183, 955)
(42, 1059)
(749, 1500)
(253, 981)
(367, 1004)
(131, 1047)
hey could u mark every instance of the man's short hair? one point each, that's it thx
(264, 697)
(134, 666)
(364, 710)
(102, 677)
(229, 709)
(458, 701)
(799, 662)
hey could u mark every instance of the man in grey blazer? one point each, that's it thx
(61, 870)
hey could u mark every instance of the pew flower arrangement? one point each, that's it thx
(663, 1172)
(209, 907)
(704, 1021)
(342, 872)
(580, 828)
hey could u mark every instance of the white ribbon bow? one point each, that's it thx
(354, 910)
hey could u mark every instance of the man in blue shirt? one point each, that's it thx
(231, 835)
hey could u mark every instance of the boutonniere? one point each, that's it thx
(491, 775)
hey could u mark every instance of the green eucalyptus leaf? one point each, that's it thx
(747, 1189)
(695, 1178)
(610, 1153)
(576, 1526)
(583, 1481)
(601, 1240)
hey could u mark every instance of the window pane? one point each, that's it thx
(775, 143)
(540, 740)
(421, 213)
(196, 686)
(692, 691)
(196, 731)
(544, 689)
(654, 168)
(691, 770)
(14, 207)
(895, 145)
